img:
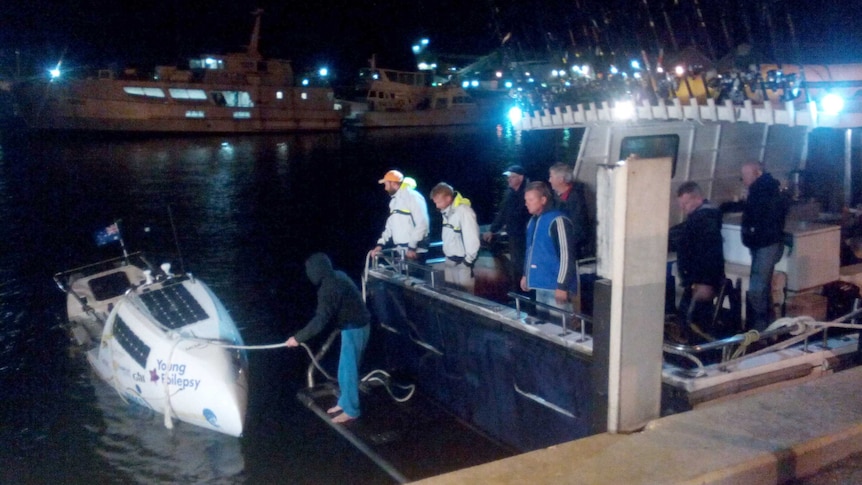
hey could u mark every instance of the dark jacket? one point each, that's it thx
(513, 214)
(763, 214)
(698, 245)
(338, 299)
(575, 208)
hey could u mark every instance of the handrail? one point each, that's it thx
(565, 315)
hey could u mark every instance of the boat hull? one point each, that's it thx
(164, 342)
(103, 105)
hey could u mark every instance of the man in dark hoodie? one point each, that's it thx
(340, 302)
(763, 215)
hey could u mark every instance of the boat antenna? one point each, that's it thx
(176, 240)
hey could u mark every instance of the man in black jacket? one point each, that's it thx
(513, 216)
(699, 255)
(763, 215)
(340, 302)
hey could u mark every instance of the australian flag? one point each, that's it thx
(107, 235)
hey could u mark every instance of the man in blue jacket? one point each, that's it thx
(550, 265)
(338, 302)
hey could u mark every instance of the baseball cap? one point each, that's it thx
(392, 176)
(514, 169)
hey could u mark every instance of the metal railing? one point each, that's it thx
(565, 315)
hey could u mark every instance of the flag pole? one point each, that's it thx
(122, 243)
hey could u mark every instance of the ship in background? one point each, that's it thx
(234, 93)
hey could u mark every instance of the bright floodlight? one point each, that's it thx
(55, 73)
(515, 114)
(416, 49)
(625, 110)
(680, 70)
(832, 104)
(424, 41)
(474, 83)
(636, 64)
(508, 84)
(305, 82)
(323, 72)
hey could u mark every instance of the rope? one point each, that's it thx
(386, 381)
(750, 337)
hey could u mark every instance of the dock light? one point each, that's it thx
(55, 73)
(832, 104)
(499, 74)
(323, 72)
(474, 83)
(614, 69)
(424, 41)
(416, 49)
(635, 64)
(465, 84)
(305, 82)
(680, 70)
(508, 84)
(515, 114)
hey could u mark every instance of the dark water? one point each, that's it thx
(247, 211)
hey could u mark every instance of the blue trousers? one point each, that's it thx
(763, 261)
(353, 342)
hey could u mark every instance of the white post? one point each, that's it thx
(635, 260)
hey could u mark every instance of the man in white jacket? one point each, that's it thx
(407, 225)
(460, 235)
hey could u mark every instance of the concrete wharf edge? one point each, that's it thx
(765, 438)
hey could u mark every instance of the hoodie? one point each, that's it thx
(763, 214)
(338, 299)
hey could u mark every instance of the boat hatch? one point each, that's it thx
(173, 306)
(110, 286)
(127, 339)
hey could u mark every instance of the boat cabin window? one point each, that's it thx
(146, 92)
(653, 146)
(109, 286)
(232, 99)
(191, 94)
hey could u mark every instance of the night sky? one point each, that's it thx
(343, 34)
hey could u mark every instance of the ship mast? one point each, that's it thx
(255, 35)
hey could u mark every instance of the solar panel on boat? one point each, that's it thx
(173, 306)
(129, 341)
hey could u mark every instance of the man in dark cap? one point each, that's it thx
(338, 302)
(513, 217)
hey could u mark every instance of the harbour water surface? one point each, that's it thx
(247, 212)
